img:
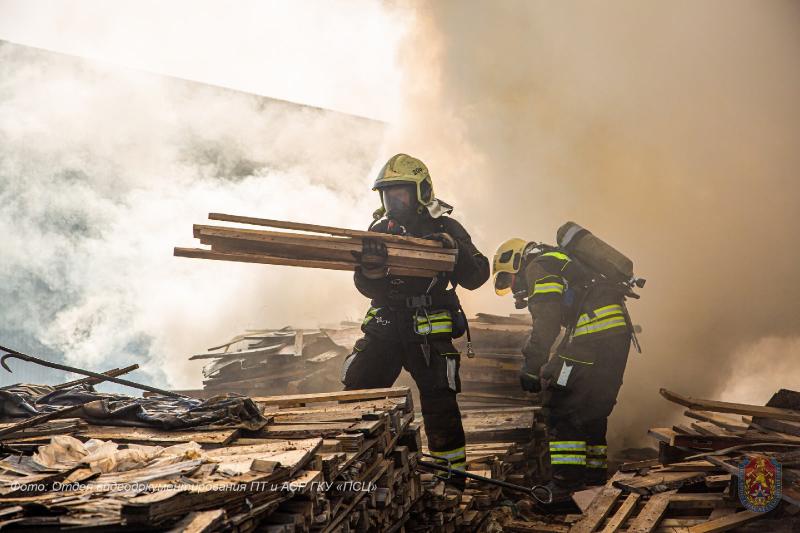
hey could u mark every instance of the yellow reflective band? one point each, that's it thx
(565, 459)
(370, 315)
(603, 325)
(557, 255)
(596, 449)
(434, 328)
(571, 445)
(599, 314)
(450, 454)
(434, 316)
(545, 288)
(596, 463)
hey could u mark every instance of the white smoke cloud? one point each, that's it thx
(103, 170)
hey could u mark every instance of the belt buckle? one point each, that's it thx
(415, 302)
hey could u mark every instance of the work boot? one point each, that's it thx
(562, 502)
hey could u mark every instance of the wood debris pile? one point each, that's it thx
(693, 486)
(341, 461)
(273, 479)
(294, 360)
(283, 361)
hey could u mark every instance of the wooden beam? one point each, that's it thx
(598, 510)
(361, 394)
(651, 514)
(239, 257)
(728, 407)
(315, 228)
(710, 442)
(726, 522)
(623, 513)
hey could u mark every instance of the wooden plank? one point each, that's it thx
(659, 482)
(316, 228)
(623, 513)
(651, 514)
(136, 434)
(704, 442)
(784, 426)
(598, 511)
(662, 434)
(6, 432)
(728, 407)
(290, 400)
(316, 247)
(238, 257)
(698, 500)
(200, 522)
(731, 424)
(726, 522)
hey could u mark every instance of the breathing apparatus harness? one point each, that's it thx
(422, 303)
(625, 289)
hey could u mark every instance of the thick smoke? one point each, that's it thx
(670, 130)
(104, 170)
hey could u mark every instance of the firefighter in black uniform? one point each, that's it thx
(412, 321)
(581, 379)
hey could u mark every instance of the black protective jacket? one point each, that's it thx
(561, 294)
(389, 295)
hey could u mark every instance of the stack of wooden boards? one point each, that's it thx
(294, 360)
(492, 376)
(328, 462)
(505, 443)
(693, 486)
(318, 247)
(284, 361)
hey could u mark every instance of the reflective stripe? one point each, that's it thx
(569, 445)
(459, 466)
(370, 315)
(435, 328)
(557, 255)
(545, 288)
(596, 463)
(600, 313)
(456, 453)
(596, 449)
(562, 459)
(603, 325)
(440, 322)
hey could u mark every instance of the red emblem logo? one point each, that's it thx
(759, 483)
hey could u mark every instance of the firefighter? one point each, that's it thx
(412, 321)
(581, 379)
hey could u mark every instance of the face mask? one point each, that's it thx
(400, 201)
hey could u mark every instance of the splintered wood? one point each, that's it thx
(693, 486)
(348, 462)
(318, 247)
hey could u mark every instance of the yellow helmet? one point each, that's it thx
(506, 263)
(403, 168)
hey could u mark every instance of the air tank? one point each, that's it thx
(594, 252)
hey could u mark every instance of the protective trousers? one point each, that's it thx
(578, 402)
(376, 363)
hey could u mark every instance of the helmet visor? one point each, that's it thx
(503, 282)
(399, 199)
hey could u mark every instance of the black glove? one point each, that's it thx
(372, 258)
(529, 381)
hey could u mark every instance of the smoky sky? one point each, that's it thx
(670, 130)
(103, 170)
